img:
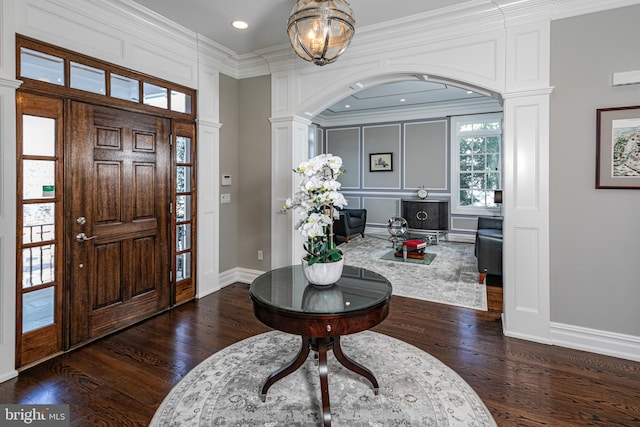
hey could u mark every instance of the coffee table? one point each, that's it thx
(284, 300)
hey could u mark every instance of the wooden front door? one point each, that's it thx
(117, 189)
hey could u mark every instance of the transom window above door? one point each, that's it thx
(91, 76)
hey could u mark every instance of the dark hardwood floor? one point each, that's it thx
(120, 380)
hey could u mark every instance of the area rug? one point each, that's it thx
(416, 389)
(391, 256)
(451, 278)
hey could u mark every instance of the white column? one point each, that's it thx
(290, 141)
(526, 178)
(207, 278)
(526, 212)
(8, 86)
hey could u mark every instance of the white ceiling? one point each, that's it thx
(267, 21)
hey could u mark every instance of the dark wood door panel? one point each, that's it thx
(107, 199)
(106, 286)
(144, 271)
(143, 191)
(109, 319)
(122, 164)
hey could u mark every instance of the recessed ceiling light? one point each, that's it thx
(240, 25)
(469, 92)
(347, 106)
(402, 100)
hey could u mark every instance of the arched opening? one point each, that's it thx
(332, 95)
(479, 100)
(298, 97)
(420, 115)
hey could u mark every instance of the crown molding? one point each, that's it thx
(444, 23)
(146, 18)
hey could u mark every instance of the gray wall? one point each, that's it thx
(245, 154)
(228, 257)
(420, 157)
(425, 155)
(595, 234)
(345, 143)
(254, 214)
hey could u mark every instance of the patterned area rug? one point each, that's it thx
(452, 277)
(415, 388)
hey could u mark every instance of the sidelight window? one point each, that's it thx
(38, 283)
(184, 218)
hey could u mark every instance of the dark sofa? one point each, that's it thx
(351, 222)
(488, 247)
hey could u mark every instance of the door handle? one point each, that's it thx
(81, 237)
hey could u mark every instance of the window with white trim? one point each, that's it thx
(476, 162)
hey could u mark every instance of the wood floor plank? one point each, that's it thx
(123, 378)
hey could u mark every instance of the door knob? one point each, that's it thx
(81, 237)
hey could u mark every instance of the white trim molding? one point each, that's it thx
(242, 275)
(596, 341)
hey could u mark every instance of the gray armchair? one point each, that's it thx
(352, 221)
(488, 247)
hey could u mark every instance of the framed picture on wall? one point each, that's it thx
(618, 148)
(380, 162)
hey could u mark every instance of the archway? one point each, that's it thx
(525, 178)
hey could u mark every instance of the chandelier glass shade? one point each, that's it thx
(321, 30)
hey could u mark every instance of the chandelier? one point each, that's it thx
(321, 30)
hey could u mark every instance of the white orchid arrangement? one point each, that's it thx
(315, 203)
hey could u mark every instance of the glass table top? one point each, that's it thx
(287, 289)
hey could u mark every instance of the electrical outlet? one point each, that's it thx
(260, 255)
(225, 198)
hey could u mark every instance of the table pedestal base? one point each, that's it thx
(321, 345)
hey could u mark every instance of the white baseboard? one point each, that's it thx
(596, 341)
(8, 375)
(243, 275)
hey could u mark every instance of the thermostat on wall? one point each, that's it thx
(226, 179)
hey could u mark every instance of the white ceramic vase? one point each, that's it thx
(323, 273)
